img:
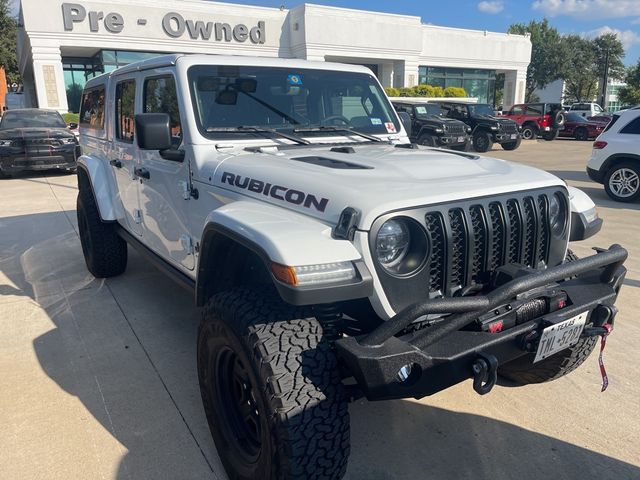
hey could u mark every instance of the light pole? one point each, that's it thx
(605, 80)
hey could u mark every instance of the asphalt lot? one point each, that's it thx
(98, 378)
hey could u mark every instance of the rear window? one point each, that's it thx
(632, 127)
(92, 108)
(613, 120)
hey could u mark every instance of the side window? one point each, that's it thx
(534, 110)
(92, 108)
(516, 110)
(633, 127)
(596, 108)
(125, 110)
(160, 96)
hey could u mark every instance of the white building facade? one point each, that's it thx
(62, 44)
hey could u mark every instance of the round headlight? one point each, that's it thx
(401, 246)
(392, 242)
(557, 214)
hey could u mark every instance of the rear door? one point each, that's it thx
(122, 157)
(166, 191)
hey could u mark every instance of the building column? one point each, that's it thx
(385, 74)
(405, 73)
(515, 83)
(48, 77)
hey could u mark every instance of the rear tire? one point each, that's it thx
(581, 134)
(482, 141)
(626, 173)
(522, 371)
(282, 412)
(105, 253)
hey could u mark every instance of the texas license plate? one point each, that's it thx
(460, 139)
(514, 136)
(560, 336)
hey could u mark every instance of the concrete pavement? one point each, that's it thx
(98, 378)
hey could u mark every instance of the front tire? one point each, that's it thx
(622, 182)
(581, 134)
(512, 145)
(482, 141)
(271, 389)
(105, 253)
(552, 135)
(522, 370)
(427, 140)
(529, 132)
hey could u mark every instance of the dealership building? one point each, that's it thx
(62, 44)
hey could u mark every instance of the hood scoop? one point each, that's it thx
(331, 163)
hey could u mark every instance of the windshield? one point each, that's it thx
(286, 100)
(481, 109)
(31, 118)
(428, 109)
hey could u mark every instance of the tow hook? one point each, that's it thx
(485, 373)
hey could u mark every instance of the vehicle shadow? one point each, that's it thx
(125, 348)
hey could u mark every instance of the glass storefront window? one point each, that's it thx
(78, 70)
(477, 83)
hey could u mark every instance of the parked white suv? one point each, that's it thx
(590, 109)
(615, 159)
(333, 259)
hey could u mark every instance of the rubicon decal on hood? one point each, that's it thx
(278, 192)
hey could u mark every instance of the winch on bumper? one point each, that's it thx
(426, 361)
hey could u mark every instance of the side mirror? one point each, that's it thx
(73, 126)
(153, 131)
(406, 121)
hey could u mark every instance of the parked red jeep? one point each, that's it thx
(538, 119)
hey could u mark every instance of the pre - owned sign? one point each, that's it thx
(173, 25)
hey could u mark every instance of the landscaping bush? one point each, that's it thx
(454, 92)
(392, 92)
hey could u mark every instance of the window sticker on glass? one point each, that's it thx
(421, 110)
(391, 128)
(376, 121)
(294, 79)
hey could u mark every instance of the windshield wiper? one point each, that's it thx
(331, 128)
(246, 128)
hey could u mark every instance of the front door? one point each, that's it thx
(122, 156)
(166, 192)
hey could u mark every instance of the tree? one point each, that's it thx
(580, 71)
(584, 69)
(8, 44)
(630, 94)
(547, 54)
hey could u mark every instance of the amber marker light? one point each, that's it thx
(284, 273)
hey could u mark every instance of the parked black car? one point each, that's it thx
(35, 139)
(487, 129)
(429, 127)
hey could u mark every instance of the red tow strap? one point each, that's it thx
(603, 343)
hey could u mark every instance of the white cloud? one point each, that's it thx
(589, 9)
(491, 6)
(627, 37)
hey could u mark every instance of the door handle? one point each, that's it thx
(115, 163)
(142, 173)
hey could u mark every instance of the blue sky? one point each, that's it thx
(587, 17)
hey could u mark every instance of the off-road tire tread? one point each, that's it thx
(310, 443)
(109, 255)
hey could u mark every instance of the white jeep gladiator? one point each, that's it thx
(333, 258)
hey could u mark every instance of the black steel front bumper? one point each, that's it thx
(501, 137)
(442, 355)
(449, 140)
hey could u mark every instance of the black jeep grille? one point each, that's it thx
(485, 236)
(455, 129)
(470, 239)
(509, 127)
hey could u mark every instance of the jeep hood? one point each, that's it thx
(374, 179)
